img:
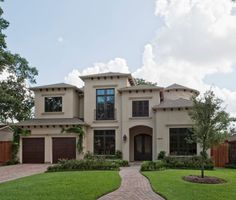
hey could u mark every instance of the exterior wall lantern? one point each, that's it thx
(124, 138)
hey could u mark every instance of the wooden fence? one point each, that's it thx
(220, 155)
(5, 151)
(232, 152)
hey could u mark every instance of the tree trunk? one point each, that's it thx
(204, 157)
(202, 170)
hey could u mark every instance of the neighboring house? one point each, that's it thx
(6, 137)
(115, 113)
(5, 133)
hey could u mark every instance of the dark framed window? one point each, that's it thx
(140, 108)
(179, 144)
(105, 100)
(104, 142)
(53, 104)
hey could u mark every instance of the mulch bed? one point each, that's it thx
(205, 180)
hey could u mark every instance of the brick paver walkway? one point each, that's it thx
(12, 172)
(134, 186)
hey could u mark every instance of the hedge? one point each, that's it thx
(174, 162)
(81, 165)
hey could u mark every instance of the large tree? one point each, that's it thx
(16, 100)
(211, 123)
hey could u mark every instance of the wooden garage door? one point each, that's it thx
(63, 148)
(33, 150)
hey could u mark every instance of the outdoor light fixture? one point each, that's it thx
(124, 138)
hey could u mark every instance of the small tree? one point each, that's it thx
(211, 123)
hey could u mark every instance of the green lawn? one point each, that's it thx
(84, 185)
(169, 184)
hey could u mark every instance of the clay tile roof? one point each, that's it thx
(178, 103)
(51, 121)
(180, 87)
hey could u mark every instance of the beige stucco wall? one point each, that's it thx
(75, 105)
(169, 119)
(173, 95)
(6, 135)
(81, 107)
(90, 106)
(70, 103)
(127, 121)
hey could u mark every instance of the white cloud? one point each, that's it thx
(60, 39)
(198, 38)
(116, 65)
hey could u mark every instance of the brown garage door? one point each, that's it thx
(33, 150)
(63, 148)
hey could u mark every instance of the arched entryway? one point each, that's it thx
(140, 143)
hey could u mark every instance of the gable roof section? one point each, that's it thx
(178, 103)
(57, 85)
(141, 87)
(180, 87)
(51, 121)
(110, 74)
(4, 126)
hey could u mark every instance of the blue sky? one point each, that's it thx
(178, 41)
(91, 30)
(58, 36)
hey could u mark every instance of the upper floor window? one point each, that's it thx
(179, 144)
(53, 104)
(140, 108)
(105, 107)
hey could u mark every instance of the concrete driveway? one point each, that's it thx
(12, 172)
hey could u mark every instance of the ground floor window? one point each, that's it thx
(179, 144)
(104, 142)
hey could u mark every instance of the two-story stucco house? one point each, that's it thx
(115, 113)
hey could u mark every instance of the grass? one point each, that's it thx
(169, 184)
(84, 185)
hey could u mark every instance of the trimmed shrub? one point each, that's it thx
(192, 162)
(153, 165)
(119, 154)
(174, 162)
(230, 166)
(120, 163)
(86, 164)
(91, 156)
(161, 155)
(12, 162)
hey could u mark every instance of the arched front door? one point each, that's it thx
(142, 147)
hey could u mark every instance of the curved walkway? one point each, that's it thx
(134, 186)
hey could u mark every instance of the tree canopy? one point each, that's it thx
(140, 81)
(16, 100)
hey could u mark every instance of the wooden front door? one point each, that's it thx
(63, 148)
(142, 147)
